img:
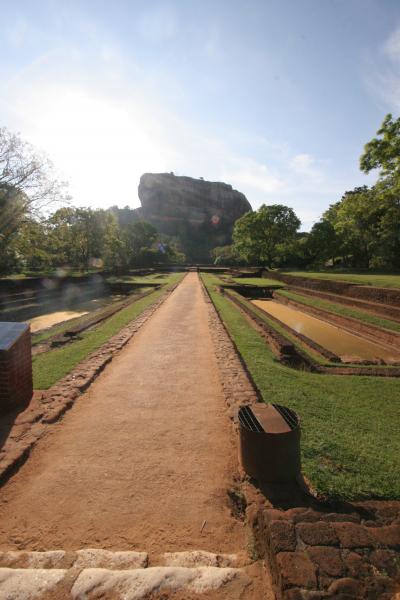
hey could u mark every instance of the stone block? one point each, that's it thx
(282, 536)
(357, 566)
(347, 587)
(386, 561)
(388, 535)
(328, 560)
(340, 517)
(273, 514)
(352, 535)
(317, 534)
(296, 570)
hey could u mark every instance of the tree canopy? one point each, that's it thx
(257, 235)
(383, 152)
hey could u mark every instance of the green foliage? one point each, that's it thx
(361, 231)
(27, 185)
(383, 152)
(323, 242)
(350, 443)
(225, 255)
(259, 281)
(84, 238)
(257, 235)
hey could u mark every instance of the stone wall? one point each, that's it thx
(363, 292)
(316, 554)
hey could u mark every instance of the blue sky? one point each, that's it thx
(276, 97)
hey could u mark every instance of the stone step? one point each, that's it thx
(122, 584)
(109, 559)
(96, 573)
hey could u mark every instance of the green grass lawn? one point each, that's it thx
(259, 281)
(153, 278)
(341, 310)
(350, 442)
(379, 280)
(48, 273)
(51, 366)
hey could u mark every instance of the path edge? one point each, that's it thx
(32, 424)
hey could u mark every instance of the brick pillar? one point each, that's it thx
(16, 386)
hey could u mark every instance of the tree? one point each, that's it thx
(323, 242)
(257, 235)
(357, 225)
(27, 186)
(383, 152)
(25, 171)
(224, 255)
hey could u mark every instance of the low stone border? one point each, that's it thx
(237, 382)
(284, 349)
(314, 550)
(360, 291)
(318, 554)
(48, 407)
(297, 359)
(383, 310)
(371, 332)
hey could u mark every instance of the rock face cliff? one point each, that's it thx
(200, 213)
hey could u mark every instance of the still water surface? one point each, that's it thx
(333, 338)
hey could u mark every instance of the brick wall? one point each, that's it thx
(16, 386)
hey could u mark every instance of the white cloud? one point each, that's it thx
(246, 173)
(391, 47)
(307, 166)
(382, 76)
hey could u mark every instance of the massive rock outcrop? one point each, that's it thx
(200, 213)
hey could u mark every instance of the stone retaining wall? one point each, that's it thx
(369, 331)
(315, 554)
(282, 348)
(363, 292)
(383, 310)
(297, 359)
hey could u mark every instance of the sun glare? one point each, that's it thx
(101, 146)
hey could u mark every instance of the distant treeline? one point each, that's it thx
(360, 231)
(83, 238)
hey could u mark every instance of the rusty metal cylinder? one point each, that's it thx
(270, 442)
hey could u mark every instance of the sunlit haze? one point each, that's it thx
(275, 97)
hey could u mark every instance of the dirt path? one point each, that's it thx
(144, 458)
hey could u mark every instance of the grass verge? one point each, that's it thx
(350, 441)
(154, 278)
(259, 281)
(51, 366)
(378, 280)
(343, 311)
